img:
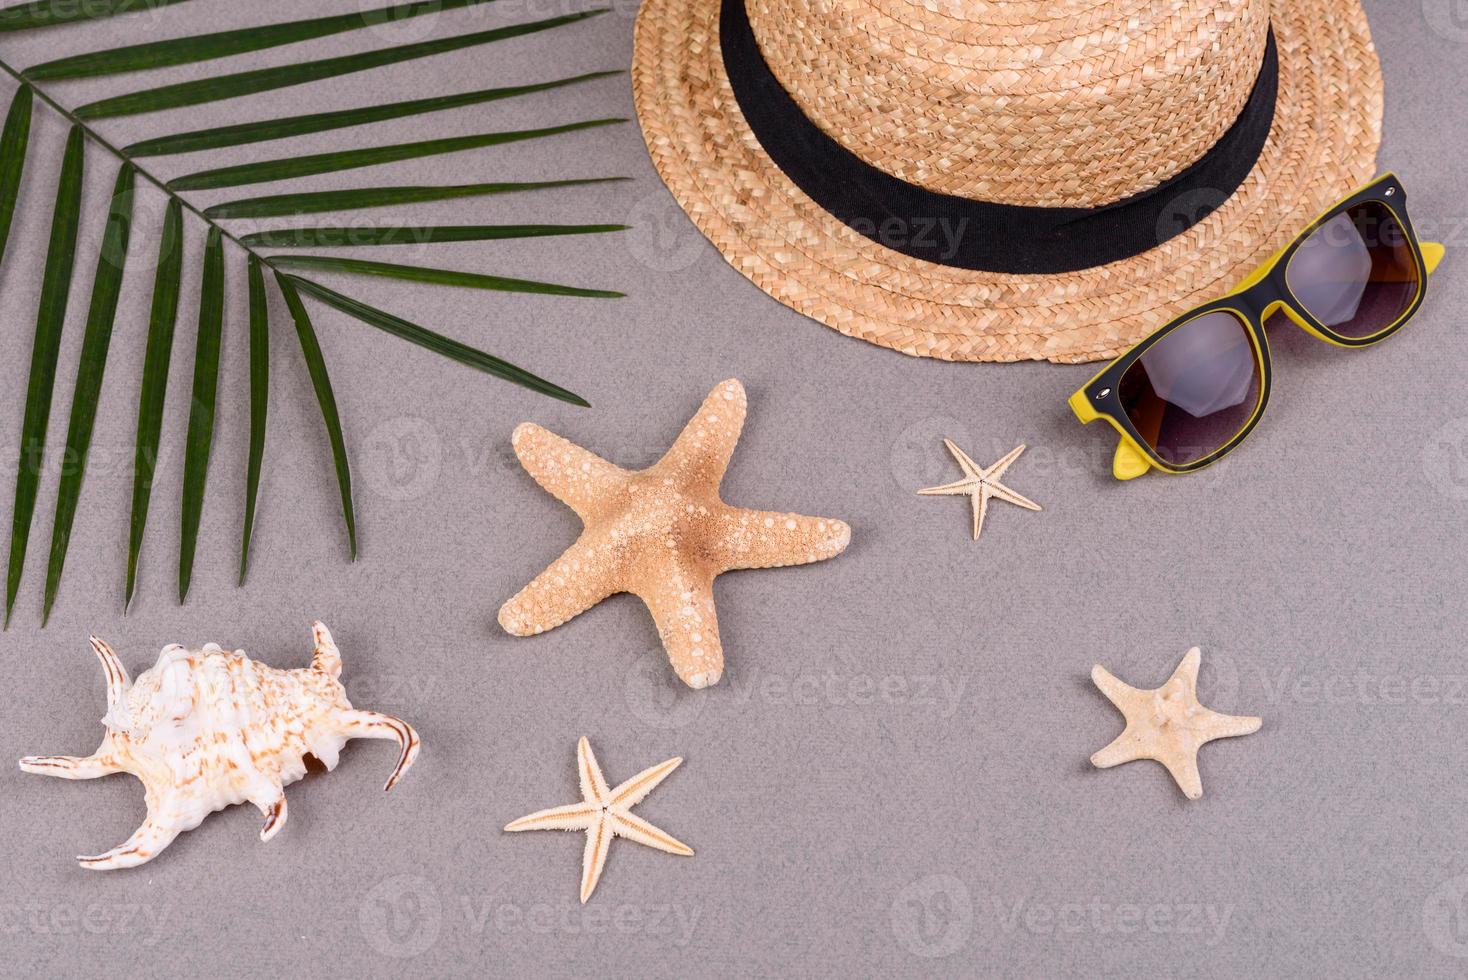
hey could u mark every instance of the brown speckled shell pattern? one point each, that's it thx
(204, 729)
(1065, 101)
(281, 716)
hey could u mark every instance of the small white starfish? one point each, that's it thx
(604, 813)
(1167, 723)
(979, 484)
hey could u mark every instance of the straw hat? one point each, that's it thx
(980, 180)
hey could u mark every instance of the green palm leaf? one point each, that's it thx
(268, 79)
(325, 163)
(338, 237)
(316, 367)
(50, 318)
(440, 277)
(201, 413)
(206, 47)
(48, 13)
(259, 400)
(319, 122)
(436, 342)
(314, 202)
(106, 285)
(13, 143)
(154, 387)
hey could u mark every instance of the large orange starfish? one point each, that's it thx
(662, 533)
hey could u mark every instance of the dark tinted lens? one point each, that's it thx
(1356, 273)
(1195, 389)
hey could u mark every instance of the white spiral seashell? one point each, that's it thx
(206, 729)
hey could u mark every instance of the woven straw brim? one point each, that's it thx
(1326, 132)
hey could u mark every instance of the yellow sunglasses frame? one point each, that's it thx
(1132, 458)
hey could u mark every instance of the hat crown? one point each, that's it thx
(1061, 103)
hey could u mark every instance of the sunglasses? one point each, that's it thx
(1190, 393)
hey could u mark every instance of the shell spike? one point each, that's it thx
(70, 766)
(372, 724)
(118, 681)
(275, 815)
(326, 658)
(141, 847)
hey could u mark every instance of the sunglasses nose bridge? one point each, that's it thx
(1259, 302)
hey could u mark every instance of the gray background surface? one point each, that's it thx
(893, 775)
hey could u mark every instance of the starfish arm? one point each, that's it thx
(573, 583)
(1229, 726)
(981, 507)
(1187, 670)
(681, 600)
(593, 783)
(1124, 748)
(70, 766)
(576, 477)
(573, 816)
(765, 539)
(994, 472)
(594, 858)
(1004, 493)
(970, 469)
(1184, 769)
(958, 488)
(634, 828)
(701, 453)
(1117, 692)
(635, 790)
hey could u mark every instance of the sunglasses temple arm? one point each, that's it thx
(1129, 462)
(1432, 255)
(1081, 406)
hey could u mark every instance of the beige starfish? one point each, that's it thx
(1167, 724)
(606, 813)
(979, 484)
(661, 533)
